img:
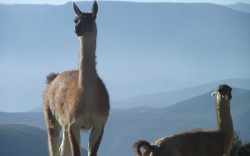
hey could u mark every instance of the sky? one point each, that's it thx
(58, 2)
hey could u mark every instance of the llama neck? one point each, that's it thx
(87, 70)
(225, 123)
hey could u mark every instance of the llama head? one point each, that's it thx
(85, 22)
(223, 92)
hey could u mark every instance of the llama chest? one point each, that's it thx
(71, 109)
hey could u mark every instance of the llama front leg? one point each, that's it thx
(95, 140)
(53, 141)
(64, 148)
(74, 140)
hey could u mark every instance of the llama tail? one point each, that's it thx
(51, 77)
(146, 145)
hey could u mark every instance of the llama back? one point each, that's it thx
(61, 91)
(208, 147)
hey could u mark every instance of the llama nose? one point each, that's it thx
(214, 93)
(77, 28)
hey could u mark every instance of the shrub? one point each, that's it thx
(238, 147)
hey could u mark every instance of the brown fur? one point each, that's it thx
(197, 143)
(77, 100)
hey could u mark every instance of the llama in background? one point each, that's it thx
(197, 143)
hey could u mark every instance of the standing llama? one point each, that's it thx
(77, 100)
(197, 143)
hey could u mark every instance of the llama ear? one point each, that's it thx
(76, 9)
(95, 8)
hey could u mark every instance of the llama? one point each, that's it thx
(197, 142)
(77, 100)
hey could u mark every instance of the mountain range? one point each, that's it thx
(19, 139)
(22, 140)
(142, 48)
(125, 126)
(164, 99)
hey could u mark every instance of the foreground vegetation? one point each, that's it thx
(239, 148)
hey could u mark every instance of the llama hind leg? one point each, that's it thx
(53, 128)
(95, 140)
(74, 140)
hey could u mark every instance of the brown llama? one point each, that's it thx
(77, 100)
(197, 143)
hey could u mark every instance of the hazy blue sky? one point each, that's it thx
(64, 1)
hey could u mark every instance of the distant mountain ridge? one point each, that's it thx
(19, 139)
(243, 7)
(164, 99)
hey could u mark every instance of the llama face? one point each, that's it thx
(85, 22)
(223, 92)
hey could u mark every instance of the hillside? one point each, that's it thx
(16, 139)
(22, 139)
(149, 47)
(126, 126)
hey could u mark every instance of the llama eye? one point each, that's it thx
(76, 21)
